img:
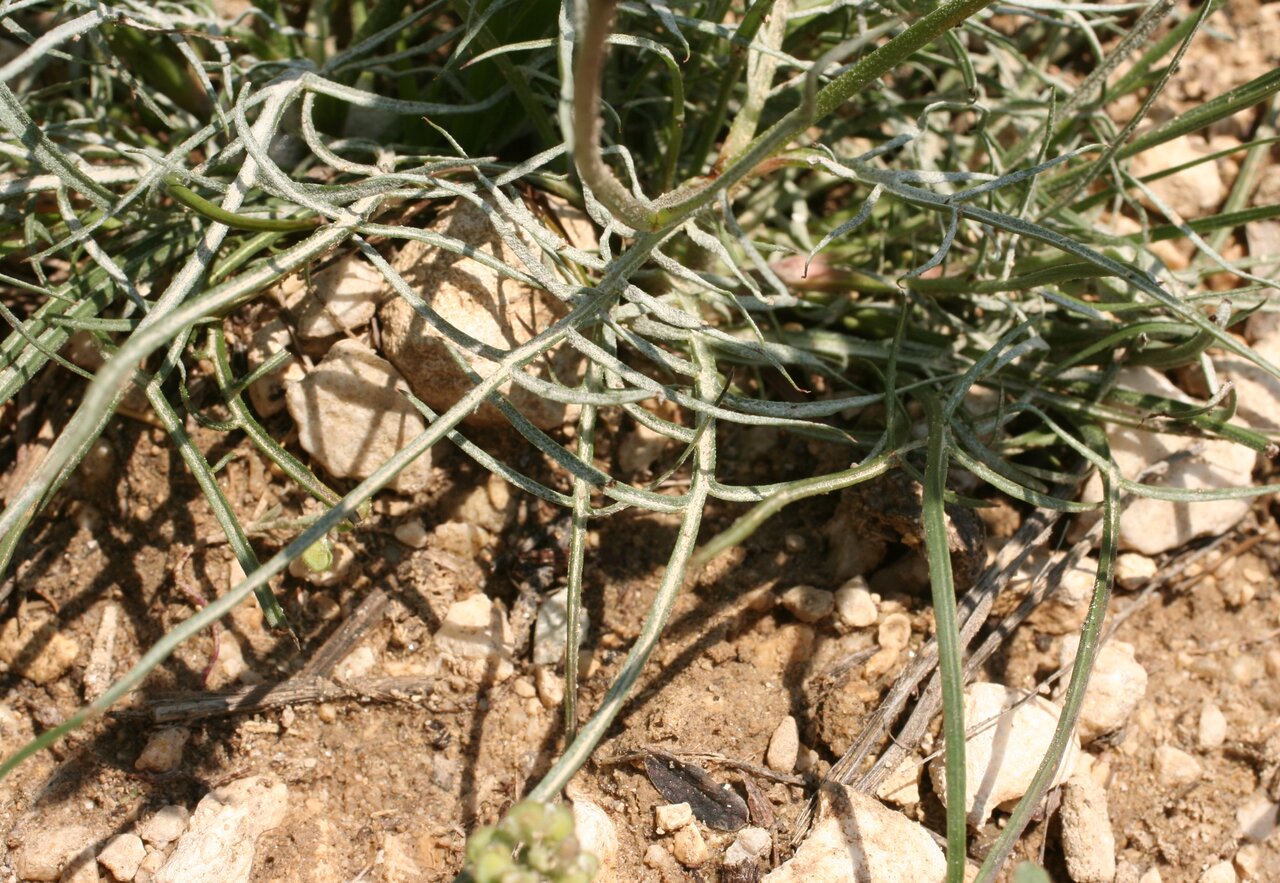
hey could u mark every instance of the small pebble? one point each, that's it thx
(894, 631)
(659, 859)
(854, 605)
(550, 687)
(1272, 663)
(43, 854)
(1245, 670)
(794, 542)
(164, 826)
(122, 855)
(1087, 839)
(754, 841)
(1212, 729)
(880, 663)
(1175, 767)
(1257, 817)
(1151, 876)
(524, 688)
(1116, 686)
(551, 629)
(327, 713)
(357, 664)
(596, 834)
(413, 533)
(672, 817)
(689, 848)
(1222, 872)
(808, 604)
(163, 751)
(1248, 861)
(1134, 570)
(784, 746)
(150, 865)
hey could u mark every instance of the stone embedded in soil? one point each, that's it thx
(1219, 872)
(1087, 839)
(44, 853)
(1153, 526)
(1133, 571)
(164, 826)
(808, 603)
(689, 847)
(221, 839)
(35, 645)
(230, 666)
(476, 640)
(341, 297)
(754, 841)
(1065, 609)
(659, 859)
(267, 392)
(1002, 759)
(150, 865)
(640, 449)
(1116, 686)
(857, 840)
(855, 607)
(1191, 193)
(550, 687)
(476, 300)
(357, 664)
(1249, 861)
(1257, 817)
(902, 786)
(1211, 728)
(784, 746)
(122, 855)
(163, 751)
(1257, 392)
(351, 417)
(551, 629)
(413, 533)
(1175, 767)
(670, 817)
(894, 631)
(597, 835)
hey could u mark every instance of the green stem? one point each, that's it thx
(938, 552)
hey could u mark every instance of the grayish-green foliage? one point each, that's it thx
(895, 205)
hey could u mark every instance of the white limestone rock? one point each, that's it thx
(858, 840)
(1087, 839)
(164, 826)
(597, 835)
(1116, 686)
(122, 855)
(341, 297)
(163, 751)
(1191, 193)
(784, 746)
(488, 307)
(352, 419)
(44, 853)
(855, 607)
(221, 840)
(267, 392)
(476, 640)
(1154, 526)
(1002, 759)
(1257, 391)
(551, 628)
